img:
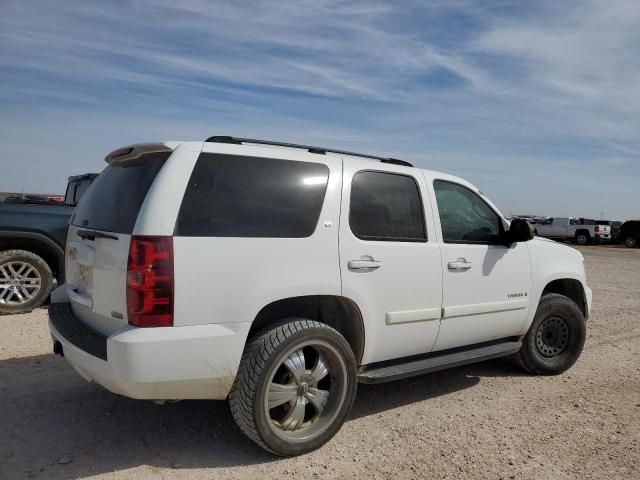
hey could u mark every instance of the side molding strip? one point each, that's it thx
(482, 308)
(410, 316)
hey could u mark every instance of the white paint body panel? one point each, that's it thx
(475, 301)
(105, 294)
(409, 279)
(230, 279)
(222, 283)
(164, 363)
(554, 261)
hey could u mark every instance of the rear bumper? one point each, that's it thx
(602, 237)
(172, 363)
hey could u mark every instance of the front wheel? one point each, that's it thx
(555, 338)
(295, 386)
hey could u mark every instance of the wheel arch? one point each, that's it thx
(38, 244)
(571, 288)
(338, 312)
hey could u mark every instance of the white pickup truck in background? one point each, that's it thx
(569, 228)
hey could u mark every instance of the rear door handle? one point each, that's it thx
(363, 264)
(459, 264)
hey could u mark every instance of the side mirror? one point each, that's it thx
(519, 231)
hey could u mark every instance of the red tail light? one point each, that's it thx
(150, 282)
(597, 229)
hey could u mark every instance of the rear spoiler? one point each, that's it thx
(135, 151)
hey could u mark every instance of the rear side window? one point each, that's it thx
(113, 200)
(386, 206)
(238, 196)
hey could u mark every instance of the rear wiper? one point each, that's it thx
(92, 235)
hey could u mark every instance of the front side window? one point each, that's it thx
(464, 216)
(237, 196)
(386, 206)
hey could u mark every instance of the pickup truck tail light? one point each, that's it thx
(150, 281)
(597, 229)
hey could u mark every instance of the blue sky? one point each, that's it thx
(537, 103)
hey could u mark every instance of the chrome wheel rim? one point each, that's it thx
(20, 282)
(552, 337)
(306, 389)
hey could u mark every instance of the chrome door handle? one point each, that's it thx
(459, 264)
(363, 264)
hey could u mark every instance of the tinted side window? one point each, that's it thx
(237, 196)
(114, 199)
(386, 206)
(464, 216)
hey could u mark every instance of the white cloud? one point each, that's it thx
(546, 90)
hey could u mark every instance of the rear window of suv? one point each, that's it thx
(114, 199)
(238, 196)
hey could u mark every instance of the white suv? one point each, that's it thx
(279, 276)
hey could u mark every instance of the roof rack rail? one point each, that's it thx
(309, 148)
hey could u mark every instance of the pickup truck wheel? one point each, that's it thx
(25, 281)
(295, 386)
(556, 337)
(630, 242)
(582, 238)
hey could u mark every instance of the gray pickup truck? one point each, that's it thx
(579, 230)
(32, 236)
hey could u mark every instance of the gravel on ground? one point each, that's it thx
(484, 421)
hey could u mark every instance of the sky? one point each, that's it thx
(536, 103)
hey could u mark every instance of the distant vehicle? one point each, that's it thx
(615, 228)
(531, 219)
(581, 231)
(630, 233)
(33, 198)
(32, 231)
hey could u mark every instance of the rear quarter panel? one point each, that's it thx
(230, 279)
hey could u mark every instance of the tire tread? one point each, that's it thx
(521, 358)
(253, 361)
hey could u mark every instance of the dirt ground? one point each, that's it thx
(485, 421)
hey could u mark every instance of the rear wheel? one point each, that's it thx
(630, 242)
(556, 337)
(295, 386)
(25, 281)
(582, 238)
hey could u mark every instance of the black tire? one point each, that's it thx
(630, 242)
(555, 338)
(263, 358)
(582, 238)
(10, 303)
